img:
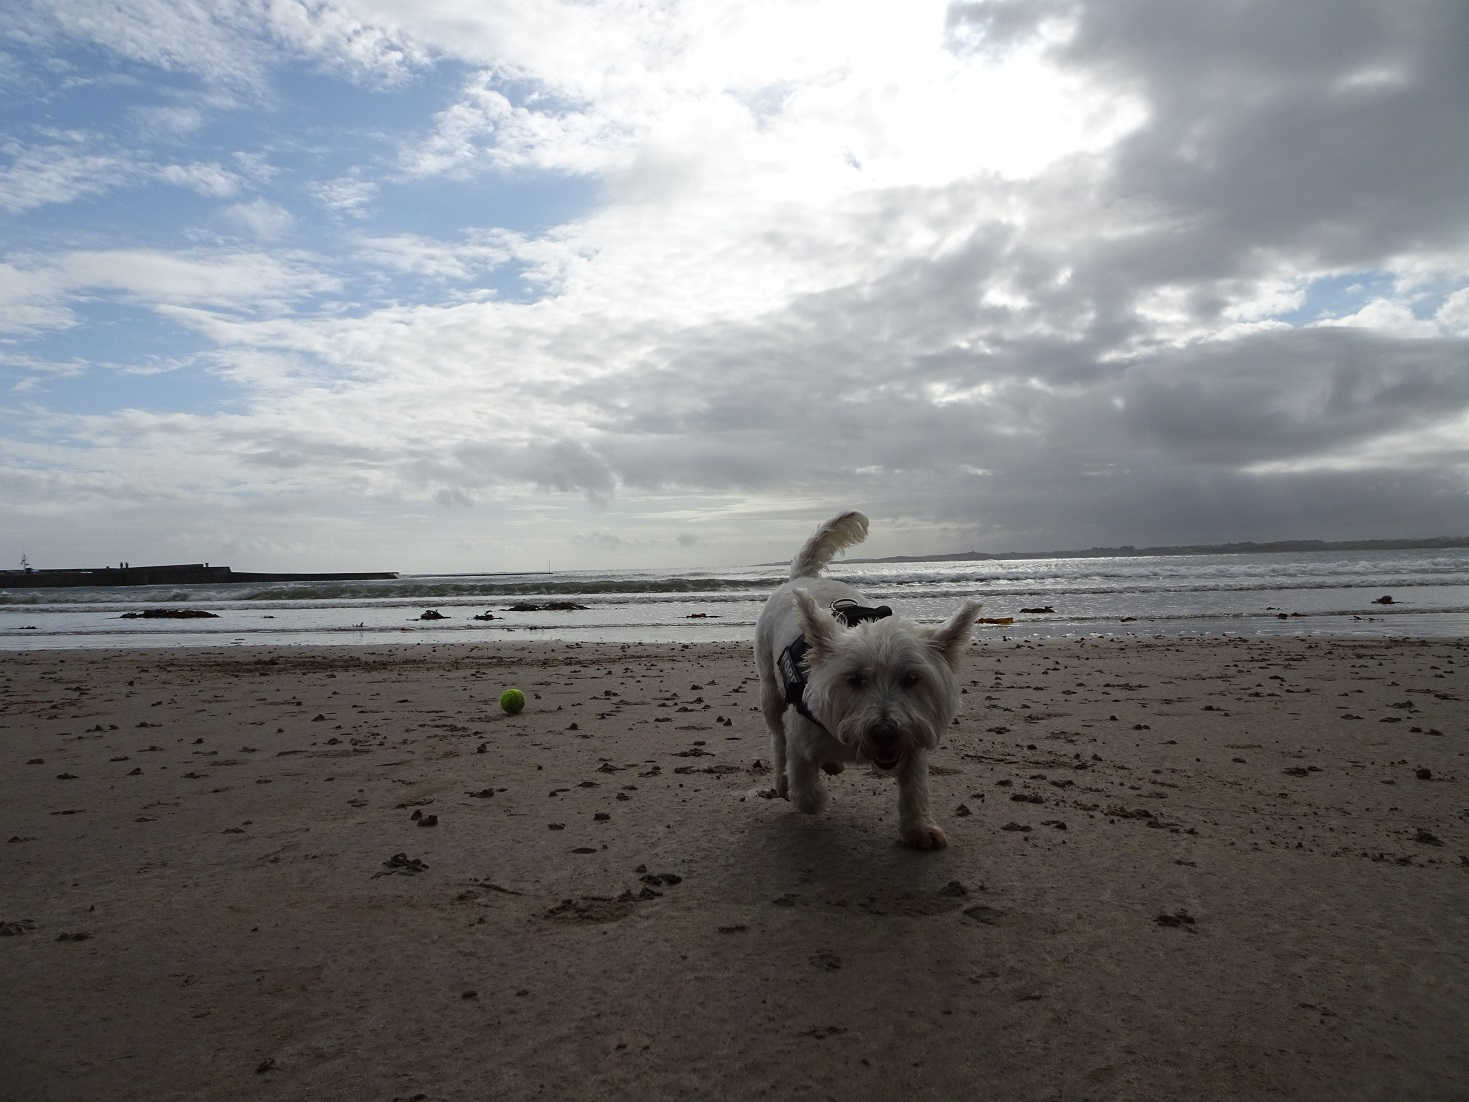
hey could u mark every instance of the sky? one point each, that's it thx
(548, 284)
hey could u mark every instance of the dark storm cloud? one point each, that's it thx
(1157, 449)
(1329, 128)
(1283, 395)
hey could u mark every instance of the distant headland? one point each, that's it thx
(179, 574)
(1127, 550)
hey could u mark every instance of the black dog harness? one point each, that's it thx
(792, 660)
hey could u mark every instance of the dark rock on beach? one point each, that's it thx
(169, 614)
(548, 606)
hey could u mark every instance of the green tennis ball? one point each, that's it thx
(512, 700)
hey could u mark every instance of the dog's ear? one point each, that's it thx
(952, 637)
(818, 625)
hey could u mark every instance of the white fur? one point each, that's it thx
(884, 690)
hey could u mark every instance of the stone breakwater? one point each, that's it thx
(179, 574)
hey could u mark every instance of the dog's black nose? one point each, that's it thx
(884, 735)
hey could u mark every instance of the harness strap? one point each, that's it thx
(792, 666)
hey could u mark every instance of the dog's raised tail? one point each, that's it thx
(839, 532)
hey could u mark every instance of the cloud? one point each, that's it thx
(484, 129)
(187, 37)
(35, 373)
(1453, 315)
(87, 165)
(44, 294)
(208, 179)
(1291, 394)
(31, 301)
(364, 49)
(1257, 124)
(262, 218)
(231, 43)
(174, 120)
(255, 165)
(1387, 316)
(58, 172)
(480, 252)
(233, 279)
(348, 195)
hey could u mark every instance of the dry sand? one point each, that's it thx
(1198, 869)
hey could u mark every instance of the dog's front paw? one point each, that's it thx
(783, 787)
(925, 836)
(810, 800)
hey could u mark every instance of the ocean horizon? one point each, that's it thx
(1336, 592)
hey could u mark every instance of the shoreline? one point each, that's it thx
(1208, 868)
(714, 631)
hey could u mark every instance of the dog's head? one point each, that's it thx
(885, 687)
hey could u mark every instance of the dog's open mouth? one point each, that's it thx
(886, 759)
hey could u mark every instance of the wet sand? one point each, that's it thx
(1203, 869)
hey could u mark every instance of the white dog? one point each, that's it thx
(842, 682)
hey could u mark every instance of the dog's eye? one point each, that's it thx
(856, 679)
(908, 680)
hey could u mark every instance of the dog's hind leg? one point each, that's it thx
(773, 706)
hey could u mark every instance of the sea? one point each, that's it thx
(1333, 593)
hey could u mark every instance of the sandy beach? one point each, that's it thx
(1178, 869)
